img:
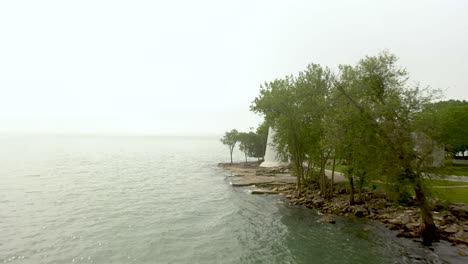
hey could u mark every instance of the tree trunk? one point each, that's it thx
(429, 229)
(360, 194)
(245, 157)
(360, 185)
(299, 179)
(231, 150)
(298, 167)
(323, 181)
(333, 176)
(351, 195)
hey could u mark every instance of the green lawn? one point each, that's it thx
(454, 195)
(444, 183)
(452, 169)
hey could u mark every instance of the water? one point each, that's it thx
(71, 199)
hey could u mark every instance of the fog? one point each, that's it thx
(194, 67)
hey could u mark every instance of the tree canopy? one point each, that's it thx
(366, 115)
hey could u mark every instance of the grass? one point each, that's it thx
(450, 194)
(452, 169)
(449, 169)
(454, 195)
(444, 183)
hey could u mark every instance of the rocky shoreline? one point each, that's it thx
(451, 220)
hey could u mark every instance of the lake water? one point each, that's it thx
(75, 199)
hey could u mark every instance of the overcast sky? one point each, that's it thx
(194, 67)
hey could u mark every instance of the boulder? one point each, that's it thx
(449, 219)
(453, 228)
(459, 210)
(405, 219)
(360, 211)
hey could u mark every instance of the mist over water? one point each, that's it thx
(74, 199)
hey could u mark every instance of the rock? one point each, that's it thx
(462, 235)
(412, 226)
(452, 228)
(405, 219)
(264, 191)
(360, 211)
(462, 253)
(459, 210)
(318, 201)
(449, 219)
(407, 234)
(380, 204)
(327, 219)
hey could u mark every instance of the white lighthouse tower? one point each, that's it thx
(271, 155)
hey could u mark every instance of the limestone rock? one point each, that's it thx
(452, 228)
(459, 210)
(360, 211)
(327, 219)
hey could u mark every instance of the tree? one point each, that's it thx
(296, 106)
(253, 144)
(388, 107)
(245, 143)
(278, 103)
(230, 139)
(366, 115)
(445, 121)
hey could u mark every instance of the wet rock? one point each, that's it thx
(327, 219)
(264, 191)
(407, 234)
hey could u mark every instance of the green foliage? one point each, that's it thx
(295, 106)
(252, 144)
(445, 121)
(230, 139)
(365, 115)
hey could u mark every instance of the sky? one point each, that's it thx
(194, 67)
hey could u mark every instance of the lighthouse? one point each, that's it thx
(271, 155)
